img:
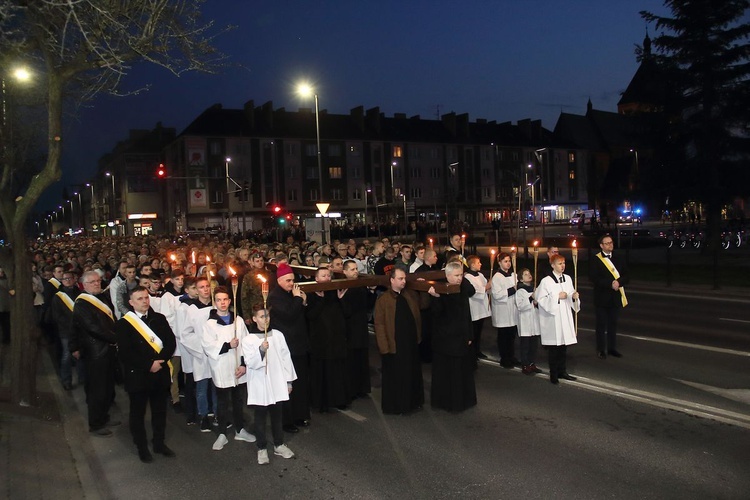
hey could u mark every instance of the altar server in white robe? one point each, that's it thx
(270, 373)
(557, 301)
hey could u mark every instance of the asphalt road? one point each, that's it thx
(668, 420)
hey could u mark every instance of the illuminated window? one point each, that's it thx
(571, 157)
(572, 175)
(334, 172)
(397, 152)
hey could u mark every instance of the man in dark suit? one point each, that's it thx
(145, 345)
(609, 275)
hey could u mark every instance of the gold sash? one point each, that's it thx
(148, 335)
(612, 269)
(55, 283)
(97, 303)
(66, 299)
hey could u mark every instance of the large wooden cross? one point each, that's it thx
(418, 281)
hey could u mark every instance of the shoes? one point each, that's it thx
(206, 424)
(506, 365)
(343, 407)
(535, 368)
(567, 376)
(163, 449)
(292, 429)
(67, 386)
(615, 353)
(262, 457)
(553, 379)
(103, 432)
(526, 370)
(210, 414)
(601, 355)
(283, 451)
(177, 407)
(145, 455)
(191, 422)
(481, 355)
(243, 435)
(113, 423)
(302, 423)
(215, 422)
(220, 442)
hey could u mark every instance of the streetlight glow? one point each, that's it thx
(22, 74)
(304, 89)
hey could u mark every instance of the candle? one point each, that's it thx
(431, 243)
(492, 261)
(536, 258)
(575, 277)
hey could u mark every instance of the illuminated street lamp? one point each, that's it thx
(114, 196)
(305, 90)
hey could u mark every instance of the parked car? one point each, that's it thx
(634, 217)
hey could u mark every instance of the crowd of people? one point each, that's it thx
(210, 326)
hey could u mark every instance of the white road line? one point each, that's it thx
(682, 344)
(736, 320)
(353, 415)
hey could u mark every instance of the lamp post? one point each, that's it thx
(367, 226)
(306, 90)
(22, 75)
(114, 197)
(93, 204)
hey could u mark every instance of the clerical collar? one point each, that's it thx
(507, 274)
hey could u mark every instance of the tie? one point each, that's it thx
(608, 256)
(144, 317)
(562, 279)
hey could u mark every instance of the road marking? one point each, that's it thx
(741, 395)
(736, 320)
(353, 415)
(682, 344)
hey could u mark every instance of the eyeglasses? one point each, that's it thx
(93, 282)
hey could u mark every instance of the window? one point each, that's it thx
(376, 155)
(291, 195)
(334, 172)
(218, 197)
(435, 172)
(571, 157)
(311, 150)
(415, 152)
(292, 172)
(500, 156)
(416, 173)
(451, 154)
(487, 192)
(311, 173)
(396, 192)
(336, 194)
(215, 148)
(290, 149)
(485, 173)
(416, 193)
(355, 172)
(357, 194)
(334, 150)
(397, 152)
(558, 192)
(514, 155)
(313, 195)
(572, 175)
(434, 153)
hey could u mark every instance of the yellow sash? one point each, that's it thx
(54, 282)
(97, 303)
(66, 299)
(148, 335)
(612, 269)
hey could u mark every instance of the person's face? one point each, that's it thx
(178, 281)
(286, 282)
(222, 303)
(526, 277)
(406, 253)
(559, 266)
(350, 271)
(475, 265)
(398, 282)
(323, 276)
(262, 319)
(192, 291)
(93, 284)
(337, 265)
(420, 254)
(378, 250)
(257, 262)
(455, 277)
(505, 264)
(146, 270)
(145, 283)
(308, 260)
(341, 249)
(243, 254)
(431, 260)
(129, 273)
(139, 301)
(155, 285)
(68, 280)
(552, 251)
(607, 245)
(456, 241)
(58, 273)
(204, 290)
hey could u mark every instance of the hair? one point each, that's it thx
(523, 270)
(202, 278)
(176, 273)
(601, 238)
(392, 273)
(189, 281)
(454, 257)
(429, 252)
(556, 258)
(350, 262)
(138, 288)
(502, 256)
(88, 274)
(321, 268)
(471, 258)
(221, 289)
(258, 306)
(453, 266)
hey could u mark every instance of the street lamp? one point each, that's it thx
(114, 195)
(94, 217)
(305, 90)
(367, 226)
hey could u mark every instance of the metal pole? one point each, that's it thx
(367, 226)
(320, 160)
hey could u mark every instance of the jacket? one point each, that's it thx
(94, 329)
(385, 318)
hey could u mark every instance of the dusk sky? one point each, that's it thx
(501, 60)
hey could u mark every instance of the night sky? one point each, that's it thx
(501, 60)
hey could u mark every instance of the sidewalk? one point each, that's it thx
(46, 450)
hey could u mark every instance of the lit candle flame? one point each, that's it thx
(211, 273)
(208, 259)
(173, 257)
(261, 278)
(536, 243)
(193, 255)
(575, 244)
(234, 273)
(512, 249)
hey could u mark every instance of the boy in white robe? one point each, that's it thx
(528, 323)
(270, 374)
(557, 300)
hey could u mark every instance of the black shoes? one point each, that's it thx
(601, 355)
(553, 379)
(567, 376)
(145, 455)
(615, 353)
(291, 428)
(163, 449)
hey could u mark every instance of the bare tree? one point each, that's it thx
(80, 48)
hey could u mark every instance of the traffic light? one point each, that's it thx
(161, 171)
(276, 210)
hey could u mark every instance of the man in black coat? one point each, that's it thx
(288, 303)
(93, 323)
(145, 344)
(609, 275)
(356, 305)
(61, 312)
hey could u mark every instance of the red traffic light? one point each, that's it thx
(161, 172)
(276, 209)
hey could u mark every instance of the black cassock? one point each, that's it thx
(356, 306)
(327, 350)
(403, 388)
(453, 358)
